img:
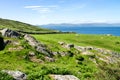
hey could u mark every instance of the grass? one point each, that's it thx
(101, 41)
(75, 64)
(16, 25)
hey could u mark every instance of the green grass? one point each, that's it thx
(101, 41)
(77, 64)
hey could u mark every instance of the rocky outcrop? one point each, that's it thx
(64, 77)
(1, 43)
(16, 74)
(10, 33)
(37, 45)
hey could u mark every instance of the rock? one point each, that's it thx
(80, 48)
(9, 33)
(2, 46)
(61, 43)
(63, 53)
(70, 46)
(64, 77)
(19, 48)
(16, 74)
(89, 48)
(37, 45)
(49, 59)
(55, 53)
(31, 54)
(7, 42)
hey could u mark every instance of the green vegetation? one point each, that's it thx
(100, 41)
(75, 63)
(15, 56)
(20, 26)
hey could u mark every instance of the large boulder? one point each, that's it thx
(37, 45)
(10, 33)
(1, 43)
(16, 74)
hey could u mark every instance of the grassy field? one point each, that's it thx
(77, 64)
(100, 41)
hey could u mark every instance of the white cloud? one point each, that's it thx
(42, 9)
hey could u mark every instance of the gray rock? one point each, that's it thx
(31, 54)
(89, 48)
(16, 74)
(70, 45)
(37, 45)
(49, 59)
(61, 43)
(10, 33)
(64, 77)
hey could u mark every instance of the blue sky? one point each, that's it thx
(61, 11)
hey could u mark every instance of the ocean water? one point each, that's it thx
(88, 30)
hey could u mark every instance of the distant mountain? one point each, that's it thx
(84, 25)
(16, 25)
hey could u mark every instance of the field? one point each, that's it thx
(100, 41)
(74, 63)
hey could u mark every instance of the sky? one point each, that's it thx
(38, 12)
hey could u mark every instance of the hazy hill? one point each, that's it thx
(16, 25)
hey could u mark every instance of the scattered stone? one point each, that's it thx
(89, 48)
(31, 54)
(16, 74)
(70, 46)
(10, 33)
(63, 53)
(49, 59)
(7, 42)
(61, 43)
(16, 48)
(87, 53)
(64, 77)
(55, 53)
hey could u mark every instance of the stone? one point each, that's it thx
(64, 77)
(63, 53)
(10, 33)
(16, 74)
(49, 59)
(61, 43)
(70, 46)
(31, 54)
(89, 48)
(37, 45)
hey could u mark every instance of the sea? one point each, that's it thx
(88, 30)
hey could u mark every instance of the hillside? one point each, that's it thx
(58, 56)
(20, 26)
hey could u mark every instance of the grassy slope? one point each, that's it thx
(85, 70)
(16, 25)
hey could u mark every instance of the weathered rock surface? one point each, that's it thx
(37, 45)
(10, 33)
(64, 77)
(16, 74)
(1, 43)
